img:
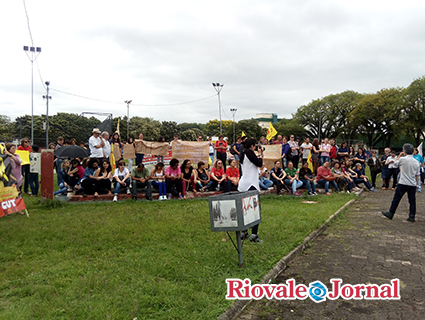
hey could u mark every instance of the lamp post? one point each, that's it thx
(218, 87)
(320, 122)
(47, 97)
(128, 115)
(34, 52)
(233, 111)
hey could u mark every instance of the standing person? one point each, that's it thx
(306, 147)
(285, 152)
(374, 166)
(387, 152)
(35, 159)
(409, 177)
(360, 157)
(25, 146)
(236, 149)
(139, 156)
(315, 155)
(420, 159)
(249, 181)
(96, 144)
(130, 140)
(392, 170)
(140, 178)
(295, 154)
(221, 148)
(107, 146)
(325, 148)
(199, 138)
(211, 149)
(343, 151)
(59, 144)
(15, 162)
(334, 150)
(279, 140)
(160, 158)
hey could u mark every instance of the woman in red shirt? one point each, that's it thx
(323, 174)
(233, 175)
(25, 146)
(221, 148)
(218, 177)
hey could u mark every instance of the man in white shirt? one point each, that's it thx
(96, 144)
(409, 177)
(306, 148)
(107, 147)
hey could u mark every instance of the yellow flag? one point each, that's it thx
(112, 159)
(24, 155)
(243, 134)
(271, 132)
(118, 127)
(310, 161)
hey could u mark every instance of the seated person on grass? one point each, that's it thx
(140, 179)
(75, 173)
(173, 178)
(158, 180)
(292, 178)
(121, 179)
(233, 176)
(277, 176)
(307, 178)
(361, 178)
(104, 175)
(187, 177)
(264, 183)
(63, 177)
(218, 176)
(324, 177)
(91, 184)
(202, 177)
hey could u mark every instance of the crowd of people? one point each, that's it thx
(339, 167)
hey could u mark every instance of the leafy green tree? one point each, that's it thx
(6, 128)
(212, 128)
(189, 135)
(286, 127)
(414, 114)
(251, 128)
(150, 128)
(169, 129)
(377, 115)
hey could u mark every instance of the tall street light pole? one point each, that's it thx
(34, 52)
(47, 97)
(233, 111)
(128, 115)
(218, 87)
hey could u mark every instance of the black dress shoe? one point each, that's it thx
(387, 214)
(410, 219)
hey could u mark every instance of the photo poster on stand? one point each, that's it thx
(251, 209)
(224, 213)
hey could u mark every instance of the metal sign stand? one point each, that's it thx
(238, 247)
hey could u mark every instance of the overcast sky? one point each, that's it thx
(271, 56)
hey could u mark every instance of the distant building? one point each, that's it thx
(265, 118)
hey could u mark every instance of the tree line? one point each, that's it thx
(380, 117)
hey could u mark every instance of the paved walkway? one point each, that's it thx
(362, 247)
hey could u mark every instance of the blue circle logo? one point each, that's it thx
(317, 291)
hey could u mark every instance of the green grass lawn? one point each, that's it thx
(150, 260)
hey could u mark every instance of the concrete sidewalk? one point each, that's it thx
(361, 247)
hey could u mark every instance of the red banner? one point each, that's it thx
(11, 206)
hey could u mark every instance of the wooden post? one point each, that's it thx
(47, 177)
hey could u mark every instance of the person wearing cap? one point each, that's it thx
(96, 144)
